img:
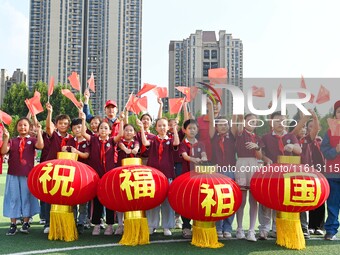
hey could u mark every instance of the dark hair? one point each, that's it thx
(126, 125)
(249, 114)
(23, 118)
(163, 118)
(145, 114)
(277, 113)
(188, 122)
(105, 121)
(62, 117)
(96, 117)
(76, 122)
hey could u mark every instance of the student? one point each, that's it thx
(161, 157)
(94, 123)
(128, 146)
(248, 149)
(330, 148)
(101, 159)
(58, 137)
(193, 152)
(277, 142)
(79, 146)
(224, 156)
(146, 120)
(18, 200)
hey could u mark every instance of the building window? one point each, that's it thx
(206, 54)
(214, 54)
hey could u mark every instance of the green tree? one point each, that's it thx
(14, 100)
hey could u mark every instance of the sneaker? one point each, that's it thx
(330, 237)
(80, 229)
(240, 234)
(109, 230)
(102, 224)
(152, 230)
(167, 232)
(25, 227)
(251, 236)
(42, 222)
(306, 234)
(46, 230)
(96, 230)
(311, 231)
(227, 235)
(186, 233)
(178, 223)
(12, 230)
(263, 235)
(219, 234)
(319, 232)
(119, 230)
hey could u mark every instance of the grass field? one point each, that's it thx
(37, 243)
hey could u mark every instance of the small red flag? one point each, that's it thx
(34, 104)
(279, 89)
(91, 83)
(189, 92)
(5, 118)
(175, 105)
(67, 93)
(161, 92)
(51, 86)
(323, 95)
(218, 75)
(74, 81)
(258, 91)
(132, 100)
(141, 105)
(302, 85)
(147, 87)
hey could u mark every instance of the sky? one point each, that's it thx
(281, 38)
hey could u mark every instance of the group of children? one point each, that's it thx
(173, 150)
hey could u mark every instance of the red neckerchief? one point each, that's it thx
(143, 148)
(221, 143)
(302, 140)
(252, 136)
(161, 148)
(102, 152)
(170, 134)
(64, 140)
(281, 145)
(191, 146)
(21, 148)
(129, 145)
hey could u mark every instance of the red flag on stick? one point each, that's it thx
(161, 92)
(34, 104)
(323, 95)
(141, 105)
(5, 118)
(91, 83)
(218, 75)
(74, 81)
(302, 85)
(67, 93)
(147, 87)
(51, 86)
(189, 92)
(130, 103)
(279, 89)
(175, 105)
(258, 91)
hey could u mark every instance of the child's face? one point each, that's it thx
(277, 124)
(222, 128)
(302, 132)
(191, 130)
(146, 121)
(337, 113)
(172, 123)
(76, 130)
(63, 125)
(94, 125)
(129, 132)
(23, 127)
(104, 130)
(162, 127)
(250, 120)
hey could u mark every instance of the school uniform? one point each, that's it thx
(18, 200)
(161, 158)
(193, 150)
(177, 158)
(143, 151)
(204, 137)
(128, 144)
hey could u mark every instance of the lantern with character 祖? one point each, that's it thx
(63, 182)
(132, 189)
(289, 189)
(205, 198)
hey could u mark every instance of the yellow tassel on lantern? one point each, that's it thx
(62, 224)
(204, 235)
(288, 225)
(136, 230)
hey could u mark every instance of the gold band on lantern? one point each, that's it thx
(134, 215)
(204, 224)
(131, 161)
(288, 215)
(289, 159)
(61, 208)
(67, 155)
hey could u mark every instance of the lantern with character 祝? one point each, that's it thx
(205, 198)
(132, 189)
(289, 189)
(63, 182)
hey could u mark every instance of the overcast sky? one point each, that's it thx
(286, 38)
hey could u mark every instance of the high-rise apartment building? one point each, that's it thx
(191, 58)
(6, 81)
(85, 36)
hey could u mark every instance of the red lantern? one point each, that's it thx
(133, 188)
(288, 189)
(205, 197)
(63, 182)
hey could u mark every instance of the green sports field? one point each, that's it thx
(37, 243)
